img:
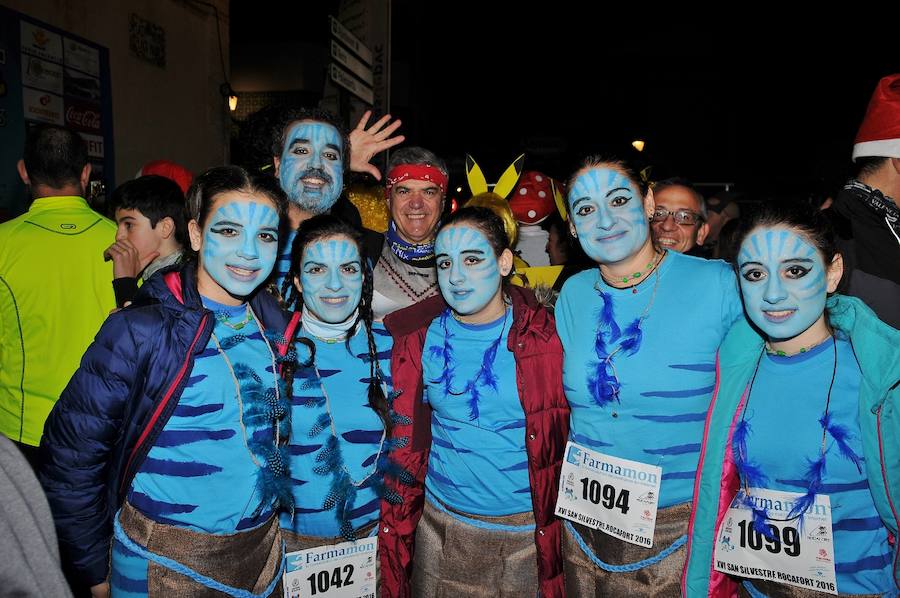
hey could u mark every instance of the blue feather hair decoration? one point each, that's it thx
(342, 492)
(603, 384)
(266, 407)
(485, 375)
(752, 475)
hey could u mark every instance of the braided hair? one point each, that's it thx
(315, 229)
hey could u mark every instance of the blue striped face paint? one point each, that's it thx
(468, 272)
(240, 242)
(607, 211)
(331, 278)
(783, 281)
(311, 170)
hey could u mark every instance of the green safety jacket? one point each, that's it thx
(55, 292)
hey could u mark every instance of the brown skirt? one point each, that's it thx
(585, 579)
(771, 589)
(454, 558)
(294, 542)
(248, 560)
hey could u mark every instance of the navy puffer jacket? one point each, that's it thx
(116, 404)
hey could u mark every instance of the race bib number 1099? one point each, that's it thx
(788, 553)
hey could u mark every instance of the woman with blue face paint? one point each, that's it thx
(342, 420)
(479, 372)
(798, 473)
(640, 334)
(165, 459)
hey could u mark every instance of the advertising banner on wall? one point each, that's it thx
(48, 75)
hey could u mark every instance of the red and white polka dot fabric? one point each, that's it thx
(532, 199)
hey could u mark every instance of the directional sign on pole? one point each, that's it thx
(351, 41)
(348, 82)
(355, 66)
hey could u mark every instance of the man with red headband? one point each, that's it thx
(416, 188)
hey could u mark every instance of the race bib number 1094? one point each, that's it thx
(616, 496)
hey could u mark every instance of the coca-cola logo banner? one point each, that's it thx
(83, 117)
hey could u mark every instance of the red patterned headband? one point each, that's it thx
(417, 172)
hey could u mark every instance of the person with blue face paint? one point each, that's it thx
(311, 165)
(340, 388)
(640, 333)
(806, 403)
(181, 412)
(479, 372)
(311, 153)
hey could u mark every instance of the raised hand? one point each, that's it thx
(366, 143)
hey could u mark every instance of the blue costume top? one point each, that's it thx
(641, 388)
(783, 411)
(478, 463)
(200, 474)
(316, 466)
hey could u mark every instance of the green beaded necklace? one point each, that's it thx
(647, 269)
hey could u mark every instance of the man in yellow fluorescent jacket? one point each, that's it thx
(54, 283)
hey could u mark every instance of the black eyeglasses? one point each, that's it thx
(682, 216)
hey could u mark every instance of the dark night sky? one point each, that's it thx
(773, 108)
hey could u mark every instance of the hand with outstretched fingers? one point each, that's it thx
(366, 143)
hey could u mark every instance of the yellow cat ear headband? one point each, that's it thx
(496, 200)
(560, 200)
(478, 184)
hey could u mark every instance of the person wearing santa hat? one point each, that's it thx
(867, 218)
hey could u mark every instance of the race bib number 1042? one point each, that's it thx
(345, 570)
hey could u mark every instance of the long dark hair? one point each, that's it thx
(310, 231)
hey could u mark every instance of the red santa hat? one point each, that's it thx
(532, 199)
(879, 134)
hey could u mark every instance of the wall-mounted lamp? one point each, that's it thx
(638, 144)
(230, 94)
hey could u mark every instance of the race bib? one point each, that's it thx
(799, 556)
(345, 570)
(616, 496)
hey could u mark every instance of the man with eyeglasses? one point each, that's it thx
(679, 222)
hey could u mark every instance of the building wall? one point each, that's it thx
(175, 112)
